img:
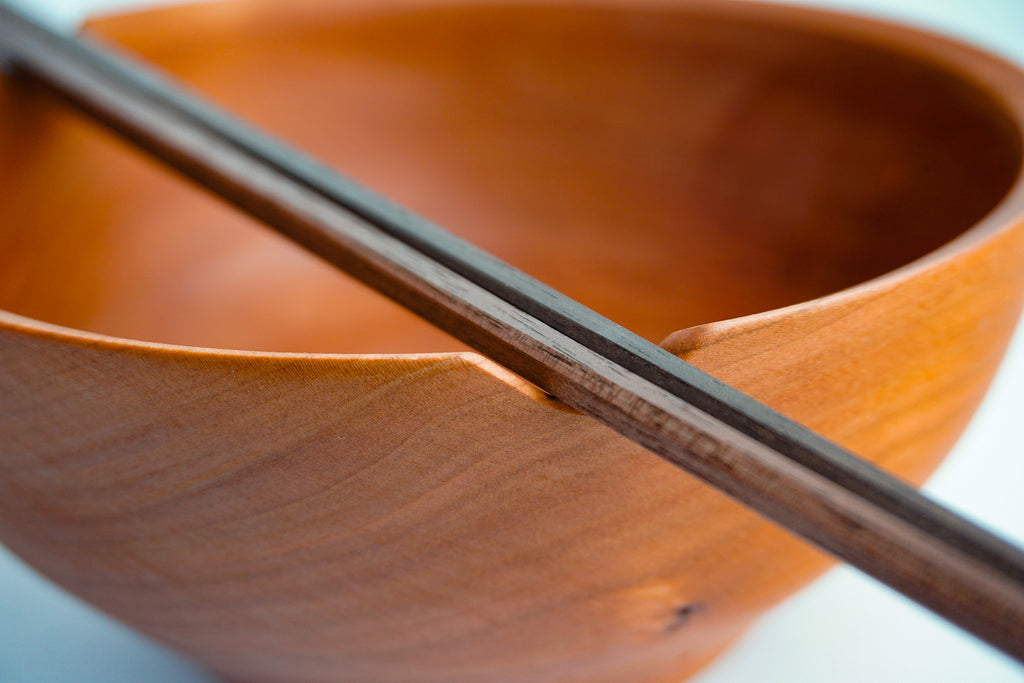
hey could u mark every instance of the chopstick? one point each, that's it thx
(780, 469)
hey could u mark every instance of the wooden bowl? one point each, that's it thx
(844, 194)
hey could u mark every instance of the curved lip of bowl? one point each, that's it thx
(1000, 79)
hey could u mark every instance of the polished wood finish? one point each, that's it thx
(778, 468)
(981, 118)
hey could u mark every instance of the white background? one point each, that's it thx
(843, 629)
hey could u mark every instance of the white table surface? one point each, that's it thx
(845, 628)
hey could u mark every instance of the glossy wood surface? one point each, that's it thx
(431, 518)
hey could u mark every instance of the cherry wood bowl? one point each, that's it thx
(354, 497)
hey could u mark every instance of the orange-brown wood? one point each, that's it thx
(430, 517)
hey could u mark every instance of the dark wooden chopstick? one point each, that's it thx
(780, 469)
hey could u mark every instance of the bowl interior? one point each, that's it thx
(668, 168)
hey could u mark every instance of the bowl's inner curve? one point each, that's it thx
(666, 169)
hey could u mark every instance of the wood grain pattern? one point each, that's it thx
(241, 532)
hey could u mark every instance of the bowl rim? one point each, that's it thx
(993, 75)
